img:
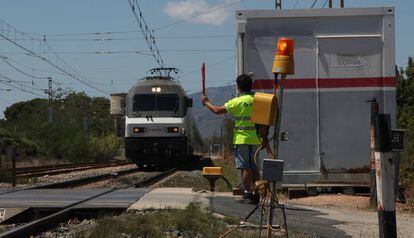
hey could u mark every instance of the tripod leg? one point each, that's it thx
(284, 220)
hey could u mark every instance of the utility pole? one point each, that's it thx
(11, 156)
(385, 177)
(342, 3)
(373, 189)
(49, 92)
(330, 3)
(278, 4)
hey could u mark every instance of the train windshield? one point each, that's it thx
(156, 102)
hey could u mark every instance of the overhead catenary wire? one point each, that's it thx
(148, 35)
(13, 36)
(314, 2)
(4, 58)
(21, 89)
(296, 3)
(106, 39)
(134, 51)
(18, 82)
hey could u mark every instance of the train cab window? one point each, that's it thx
(167, 102)
(144, 102)
(157, 103)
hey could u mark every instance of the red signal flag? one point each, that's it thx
(203, 77)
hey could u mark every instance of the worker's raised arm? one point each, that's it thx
(215, 109)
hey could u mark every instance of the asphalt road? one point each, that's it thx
(318, 221)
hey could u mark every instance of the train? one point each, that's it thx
(160, 129)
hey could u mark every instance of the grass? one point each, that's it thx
(128, 180)
(189, 222)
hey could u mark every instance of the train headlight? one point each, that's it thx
(156, 89)
(138, 129)
(173, 129)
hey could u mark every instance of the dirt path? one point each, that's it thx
(355, 217)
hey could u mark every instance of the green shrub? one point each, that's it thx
(103, 148)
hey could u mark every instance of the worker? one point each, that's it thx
(245, 139)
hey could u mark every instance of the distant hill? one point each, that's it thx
(208, 123)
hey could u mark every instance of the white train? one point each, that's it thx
(159, 126)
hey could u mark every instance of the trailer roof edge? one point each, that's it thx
(323, 12)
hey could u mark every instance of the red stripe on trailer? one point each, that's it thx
(329, 83)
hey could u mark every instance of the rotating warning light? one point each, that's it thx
(284, 62)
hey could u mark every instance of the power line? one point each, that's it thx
(149, 37)
(314, 3)
(20, 88)
(133, 51)
(18, 82)
(198, 15)
(13, 35)
(296, 3)
(4, 58)
(85, 33)
(136, 38)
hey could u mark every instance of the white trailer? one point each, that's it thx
(343, 57)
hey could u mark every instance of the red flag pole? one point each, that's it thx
(203, 77)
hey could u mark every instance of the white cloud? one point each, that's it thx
(214, 14)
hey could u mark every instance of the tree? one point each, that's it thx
(81, 130)
(405, 115)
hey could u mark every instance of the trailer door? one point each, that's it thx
(349, 75)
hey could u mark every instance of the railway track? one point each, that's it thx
(79, 181)
(54, 219)
(36, 171)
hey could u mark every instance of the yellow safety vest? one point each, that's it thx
(241, 108)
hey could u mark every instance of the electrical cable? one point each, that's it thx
(314, 3)
(18, 82)
(63, 67)
(140, 38)
(268, 200)
(148, 35)
(85, 33)
(296, 3)
(133, 51)
(324, 4)
(4, 58)
(21, 89)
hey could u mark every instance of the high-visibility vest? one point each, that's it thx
(241, 108)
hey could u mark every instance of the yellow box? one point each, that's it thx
(212, 171)
(264, 109)
(283, 65)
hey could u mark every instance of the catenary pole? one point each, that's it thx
(373, 189)
(385, 176)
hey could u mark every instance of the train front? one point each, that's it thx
(156, 123)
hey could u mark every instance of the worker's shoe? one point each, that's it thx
(251, 198)
(247, 198)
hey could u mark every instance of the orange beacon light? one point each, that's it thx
(284, 61)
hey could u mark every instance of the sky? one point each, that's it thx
(101, 41)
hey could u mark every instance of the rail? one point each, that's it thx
(50, 221)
